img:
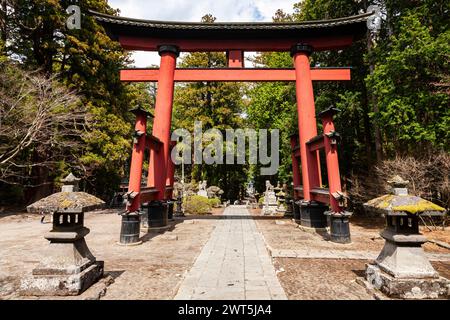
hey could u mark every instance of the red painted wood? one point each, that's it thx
(239, 75)
(161, 124)
(170, 178)
(320, 198)
(151, 142)
(306, 123)
(192, 45)
(235, 59)
(137, 159)
(316, 194)
(316, 145)
(334, 179)
(297, 179)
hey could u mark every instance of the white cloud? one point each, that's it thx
(188, 10)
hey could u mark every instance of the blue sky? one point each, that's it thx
(193, 10)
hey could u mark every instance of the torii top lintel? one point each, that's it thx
(147, 35)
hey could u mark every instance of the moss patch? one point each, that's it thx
(420, 206)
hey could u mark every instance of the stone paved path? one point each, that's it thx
(234, 264)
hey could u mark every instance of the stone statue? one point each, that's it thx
(202, 189)
(269, 186)
(270, 200)
(202, 185)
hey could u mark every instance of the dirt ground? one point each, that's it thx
(320, 279)
(153, 270)
(329, 279)
(365, 234)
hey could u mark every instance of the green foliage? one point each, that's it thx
(397, 100)
(196, 204)
(407, 81)
(261, 200)
(41, 128)
(217, 105)
(3, 56)
(214, 202)
(86, 61)
(399, 84)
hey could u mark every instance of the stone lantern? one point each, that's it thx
(289, 213)
(402, 270)
(67, 266)
(281, 197)
(179, 200)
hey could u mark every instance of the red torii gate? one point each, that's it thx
(169, 38)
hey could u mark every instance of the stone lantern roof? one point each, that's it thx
(69, 199)
(401, 203)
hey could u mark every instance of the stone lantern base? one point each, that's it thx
(406, 288)
(67, 267)
(403, 271)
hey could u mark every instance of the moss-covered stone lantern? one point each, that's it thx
(402, 270)
(67, 266)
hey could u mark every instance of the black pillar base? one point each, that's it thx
(296, 205)
(155, 214)
(170, 204)
(129, 232)
(312, 214)
(289, 213)
(339, 226)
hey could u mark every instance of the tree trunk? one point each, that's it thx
(378, 137)
(3, 24)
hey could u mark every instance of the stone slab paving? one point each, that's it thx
(234, 264)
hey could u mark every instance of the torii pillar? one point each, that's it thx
(159, 159)
(311, 212)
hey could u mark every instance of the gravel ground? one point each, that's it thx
(319, 279)
(322, 279)
(364, 232)
(153, 270)
(328, 279)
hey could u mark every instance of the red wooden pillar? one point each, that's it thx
(163, 117)
(295, 165)
(306, 118)
(235, 59)
(331, 138)
(170, 173)
(137, 159)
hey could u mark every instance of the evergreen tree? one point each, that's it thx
(217, 105)
(86, 61)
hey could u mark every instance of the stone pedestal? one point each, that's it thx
(270, 203)
(402, 270)
(202, 193)
(67, 267)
